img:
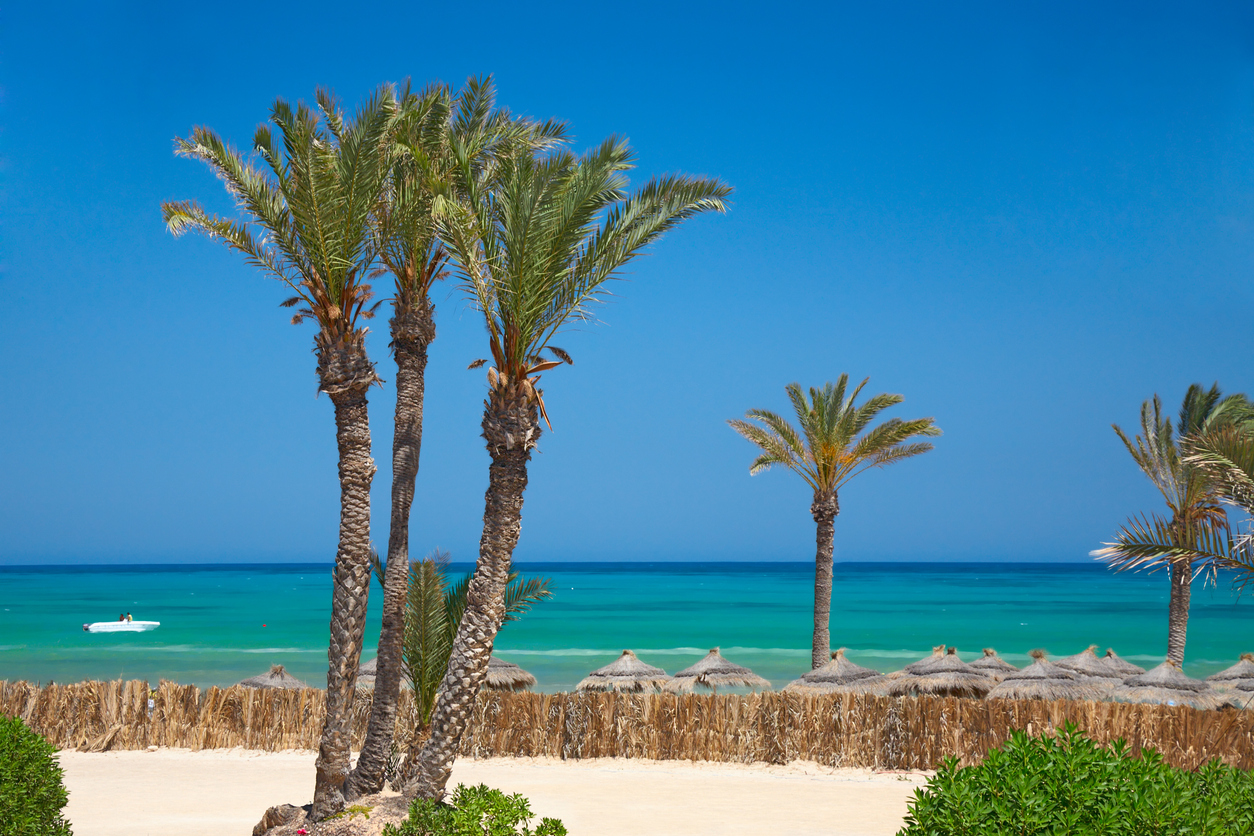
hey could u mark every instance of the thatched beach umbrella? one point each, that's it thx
(992, 665)
(506, 676)
(1242, 671)
(366, 673)
(1168, 684)
(839, 676)
(275, 678)
(1043, 680)
(1087, 664)
(715, 672)
(1120, 666)
(942, 675)
(626, 674)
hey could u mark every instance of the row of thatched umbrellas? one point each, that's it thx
(502, 676)
(1084, 676)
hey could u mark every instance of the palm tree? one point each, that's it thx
(536, 244)
(1198, 519)
(833, 446)
(431, 123)
(307, 222)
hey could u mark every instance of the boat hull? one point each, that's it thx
(121, 626)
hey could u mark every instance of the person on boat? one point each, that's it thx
(122, 617)
(128, 617)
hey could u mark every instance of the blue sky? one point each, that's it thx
(1026, 218)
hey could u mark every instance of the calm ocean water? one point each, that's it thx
(220, 624)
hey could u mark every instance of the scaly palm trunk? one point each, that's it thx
(1178, 611)
(413, 330)
(511, 429)
(824, 510)
(346, 373)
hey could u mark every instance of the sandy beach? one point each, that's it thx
(224, 792)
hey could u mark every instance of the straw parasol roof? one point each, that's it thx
(839, 676)
(992, 665)
(1168, 684)
(1242, 671)
(715, 672)
(506, 676)
(366, 673)
(942, 675)
(1120, 666)
(1086, 663)
(1043, 680)
(275, 678)
(626, 674)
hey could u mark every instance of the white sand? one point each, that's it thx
(175, 792)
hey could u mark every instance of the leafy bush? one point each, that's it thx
(474, 811)
(31, 792)
(1067, 784)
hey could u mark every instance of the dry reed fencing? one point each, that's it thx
(837, 730)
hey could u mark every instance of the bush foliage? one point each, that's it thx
(31, 792)
(474, 811)
(1067, 784)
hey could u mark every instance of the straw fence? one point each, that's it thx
(837, 730)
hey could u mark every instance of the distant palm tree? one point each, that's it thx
(1198, 519)
(536, 244)
(833, 446)
(431, 125)
(307, 222)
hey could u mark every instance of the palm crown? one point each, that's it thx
(434, 131)
(1191, 496)
(307, 210)
(1194, 485)
(834, 443)
(538, 239)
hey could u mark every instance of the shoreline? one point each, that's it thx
(225, 791)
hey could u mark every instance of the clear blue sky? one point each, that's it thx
(1026, 218)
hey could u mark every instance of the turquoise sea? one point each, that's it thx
(222, 623)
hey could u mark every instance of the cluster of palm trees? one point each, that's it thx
(1202, 465)
(418, 184)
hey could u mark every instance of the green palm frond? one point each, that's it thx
(306, 213)
(428, 640)
(1226, 455)
(435, 132)
(833, 444)
(537, 237)
(521, 593)
(1152, 543)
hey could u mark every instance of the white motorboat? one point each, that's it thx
(121, 626)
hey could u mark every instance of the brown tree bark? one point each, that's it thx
(413, 330)
(511, 429)
(346, 373)
(824, 510)
(1178, 611)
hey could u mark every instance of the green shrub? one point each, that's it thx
(474, 811)
(31, 792)
(1052, 786)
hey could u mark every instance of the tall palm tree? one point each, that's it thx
(431, 123)
(306, 221)
(833, 446)
(1193, 498)
(536, 244)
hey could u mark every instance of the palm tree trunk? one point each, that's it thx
(511, 429)
(412, 332)
(346, 373)
(824, 510)
(1178, 611)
